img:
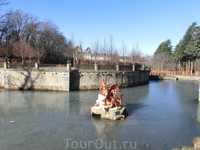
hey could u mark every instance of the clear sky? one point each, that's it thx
(143, 22)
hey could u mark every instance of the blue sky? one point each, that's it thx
(143, 22)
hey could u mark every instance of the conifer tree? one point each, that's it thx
(183, 48)
(164, 47)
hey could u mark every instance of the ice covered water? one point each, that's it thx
(161, 115)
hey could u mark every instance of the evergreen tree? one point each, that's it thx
(193, 47)
(183, 48)
(197, 43)
(164, 47)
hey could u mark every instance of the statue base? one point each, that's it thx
(118, 113)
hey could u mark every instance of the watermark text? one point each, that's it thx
(99, 144)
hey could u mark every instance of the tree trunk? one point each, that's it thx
(22, 61)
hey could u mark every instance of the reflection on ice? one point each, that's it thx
(161, 114)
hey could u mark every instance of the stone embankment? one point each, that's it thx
(88, 80)
(34, 79)
(64, 79)
(173, 77)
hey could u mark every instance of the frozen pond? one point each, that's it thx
(162, 115)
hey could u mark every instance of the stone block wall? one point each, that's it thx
(87, 80)
(1, 78)
(34, 79)
(63, 80)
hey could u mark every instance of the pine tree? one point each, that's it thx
(164, 47)
(196, 44)
(183, 48)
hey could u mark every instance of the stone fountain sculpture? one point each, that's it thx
(108, 105)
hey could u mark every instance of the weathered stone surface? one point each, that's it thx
(65, 80)
(2, 78)
(35, 79)
(96, 111)
(112, 113)
(86, 80)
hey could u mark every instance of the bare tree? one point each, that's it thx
(22, 49)
(123, 51)
(3, 3)
(73, 43)
(96, 49)
(104, 50)
(115, 56)
(163, 61)
(69, 50)
(136, 55)
(78, 53)
(49, 43)
(18, 23)
(5, 47)
(111, 47)
(30, 53)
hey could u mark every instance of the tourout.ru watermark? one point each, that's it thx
(99, 144)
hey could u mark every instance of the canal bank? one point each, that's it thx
(66, 80)
(174, 77)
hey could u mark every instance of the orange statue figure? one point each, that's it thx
(107, 97)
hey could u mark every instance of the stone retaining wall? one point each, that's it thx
(86, 80)
(174, 77)
(34, 79)
(1, 78)
(63, 80)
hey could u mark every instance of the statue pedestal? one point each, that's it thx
(118, 113)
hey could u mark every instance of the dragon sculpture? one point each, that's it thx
(107, 97)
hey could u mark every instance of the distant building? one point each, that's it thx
(124, 59)
(87, 54)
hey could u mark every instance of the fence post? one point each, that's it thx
(5, 65)
(37, 66)
(191, 68)
(199, 90)
(117, 67)
(69, 67)
(133, 67)
(95, 66)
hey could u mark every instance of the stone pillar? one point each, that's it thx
(179, 66)
(143, 67)
(95, 66)
(37, 66)
(198, 112)
(199, 90)
(5, 65)
(117, 67)
(69, 67)
(133, 67)
(191, 68)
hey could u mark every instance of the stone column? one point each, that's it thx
(199, 90)
(5, 65)
(198, 112)
(143, 67)
(191, 68)
(133, 67)
(37, 66)
(69, 67)
(117, 67)
(179, 66)
(95, 66)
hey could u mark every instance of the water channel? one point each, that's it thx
(161, 115)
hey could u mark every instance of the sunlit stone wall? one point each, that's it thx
(1, 78)
(34, 79)
(86, 80)
(63, 80)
